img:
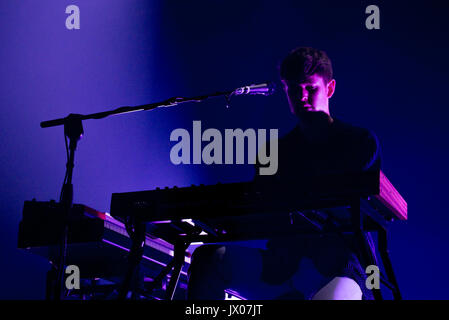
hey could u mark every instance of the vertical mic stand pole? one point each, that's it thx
(73, 129)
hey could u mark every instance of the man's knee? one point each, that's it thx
(340, 288)
(207, 256)
(207, 278)
(208, 253)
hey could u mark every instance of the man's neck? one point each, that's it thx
(315, 126)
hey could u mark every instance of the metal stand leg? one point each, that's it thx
(180, 248)
(52, 276)
(384, 253)
(136, 231)
(157, 282)
(366, 254)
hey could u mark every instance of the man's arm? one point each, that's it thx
(371, 155)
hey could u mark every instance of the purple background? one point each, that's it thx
(130, 52)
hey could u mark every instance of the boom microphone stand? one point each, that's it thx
(73, 129)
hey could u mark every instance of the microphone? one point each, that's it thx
(265, 89)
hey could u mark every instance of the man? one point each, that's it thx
(298, 267)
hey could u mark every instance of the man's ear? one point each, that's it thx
(284, 85)
(330, 88)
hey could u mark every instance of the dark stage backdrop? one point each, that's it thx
(128, 52)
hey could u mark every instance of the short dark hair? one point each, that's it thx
(306, 61)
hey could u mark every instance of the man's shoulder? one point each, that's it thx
(339, 128)
(363, 140)
(349, 131)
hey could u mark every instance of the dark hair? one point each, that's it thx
(306, 61)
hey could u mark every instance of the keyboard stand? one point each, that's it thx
(363, 219)
(363, 222)
(178, 261)
(136, 231)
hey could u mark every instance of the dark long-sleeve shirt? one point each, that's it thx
(339, 149)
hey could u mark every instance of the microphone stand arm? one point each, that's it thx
(73, 129)
(122, 110)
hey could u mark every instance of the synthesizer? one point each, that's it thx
(97, 243)
(234, 210)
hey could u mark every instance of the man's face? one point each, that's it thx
(309, 95)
